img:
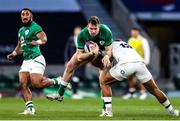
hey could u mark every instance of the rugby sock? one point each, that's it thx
(167, 105)
(132, 90)
(29, 105)
(54, 80)
(62, 88)
(107, 102)
(104, 107)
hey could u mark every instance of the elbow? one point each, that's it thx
(45, 41)
(79, 58)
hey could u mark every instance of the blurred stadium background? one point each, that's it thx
(158, 19)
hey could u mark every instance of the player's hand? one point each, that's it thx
(95, 49)
(106, 61)
(33, 43)
(10, 56)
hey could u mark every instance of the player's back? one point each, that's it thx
(124, 53)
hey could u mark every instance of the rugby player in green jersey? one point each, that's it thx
(102, 35)
(30, 37)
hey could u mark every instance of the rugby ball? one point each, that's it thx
(88, 45)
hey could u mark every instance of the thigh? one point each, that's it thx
(142, 73)
(24, 78)
(36, 78)
(122, 71)
(104, 76)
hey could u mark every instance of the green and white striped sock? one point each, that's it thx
(55, 81)
(29, 105)
(62, 88)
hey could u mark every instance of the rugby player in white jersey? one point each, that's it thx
(129, 64)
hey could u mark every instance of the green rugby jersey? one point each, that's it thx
(104, 37)
(27, 34)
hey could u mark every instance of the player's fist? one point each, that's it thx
(106, 61)
(10, 56)
(95, 49)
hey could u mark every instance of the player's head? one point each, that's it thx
(135, 31)
(26, 16)
(93, 25)
(77, 29)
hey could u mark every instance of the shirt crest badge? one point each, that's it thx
(101, 42)
(26, 32)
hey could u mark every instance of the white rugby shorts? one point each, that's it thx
(36, 65)
(123, 71)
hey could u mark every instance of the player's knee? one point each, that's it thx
(35, 85)
(70, 67)
(23, 84)
(36, 82)
(103, 81)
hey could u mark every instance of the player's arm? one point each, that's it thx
(146, 51)
(42, 39)
(108, 48)
(108, 53)
(82, 56)
(17, 51)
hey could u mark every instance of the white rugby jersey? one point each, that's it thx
(124, 53)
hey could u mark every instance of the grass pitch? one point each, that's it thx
(87, 109)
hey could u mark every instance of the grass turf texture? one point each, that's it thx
(87, 109)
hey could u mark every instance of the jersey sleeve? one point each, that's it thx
(109, 38)
(146, 48)
(37, 29)
(80, 41)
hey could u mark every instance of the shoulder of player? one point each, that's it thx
(34, 24)
(20, 29)
(145, 42)
(131, 39)
(104, 27)
(35, 27)
(144, 39)
(83, 32)
(105, 30)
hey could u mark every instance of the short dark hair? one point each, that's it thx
(27, 9)
(93, 20)
(136, 28)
